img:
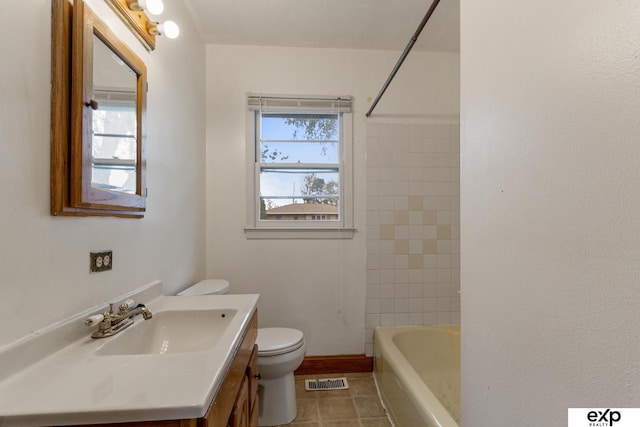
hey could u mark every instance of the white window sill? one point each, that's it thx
(299, 233)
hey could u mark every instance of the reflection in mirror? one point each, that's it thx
(114, 125)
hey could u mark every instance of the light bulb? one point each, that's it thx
(154, 7)
(169, 29)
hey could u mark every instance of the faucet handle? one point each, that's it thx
(92, 320)
(125, 306)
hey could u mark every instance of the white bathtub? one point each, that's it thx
(417, 369)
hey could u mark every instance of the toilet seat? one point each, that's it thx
(275, 341)
(207, 287)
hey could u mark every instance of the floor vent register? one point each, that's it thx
(326, 384)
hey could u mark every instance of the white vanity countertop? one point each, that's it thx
(76, 386)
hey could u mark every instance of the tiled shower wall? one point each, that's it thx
(413, 225)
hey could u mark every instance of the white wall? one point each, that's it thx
(317, 286)
(550, 199)
(44, 260)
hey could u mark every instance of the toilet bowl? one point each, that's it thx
(280, 352)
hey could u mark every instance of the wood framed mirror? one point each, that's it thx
(98, 156)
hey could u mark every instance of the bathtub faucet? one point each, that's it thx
(110, 323)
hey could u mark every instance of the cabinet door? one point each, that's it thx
(255, 412)
(253, 374)
(240, 413)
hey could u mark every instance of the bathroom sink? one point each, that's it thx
(171, 331)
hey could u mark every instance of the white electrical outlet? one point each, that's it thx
(100, 261)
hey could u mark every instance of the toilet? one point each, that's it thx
(280, 352)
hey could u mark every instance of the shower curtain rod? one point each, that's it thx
(406, 51)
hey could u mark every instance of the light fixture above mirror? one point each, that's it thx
(134, 14)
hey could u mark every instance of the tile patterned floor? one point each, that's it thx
(358, 406)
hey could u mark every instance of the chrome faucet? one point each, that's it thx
(110, 323)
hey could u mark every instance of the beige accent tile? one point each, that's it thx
(387, 232)
(336, 408)
(415, 262)
(444, 232)
(401, 218)
(430, 247)
(401, 247)
(369, 407)
(430, 217)
(415, 203)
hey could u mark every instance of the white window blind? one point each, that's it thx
(340, 104)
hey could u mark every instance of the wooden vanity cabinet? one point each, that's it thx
(236, 402)
(232, 405)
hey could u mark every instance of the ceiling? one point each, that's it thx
(342, 24)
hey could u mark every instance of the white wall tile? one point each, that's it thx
(416, 277)
(401, 203)
(387, 276)
(402, 319)
(444, 318)
(415, 305)
(430, 290)
(416, 319)
(401, 276)
(415, 290)
(388, 319)
(401, 290)
(371, 321)
(430, 318)
(415, 188)
(374, 290)
(387, 204)
(372, 306)
(387, 290)
(412, 160)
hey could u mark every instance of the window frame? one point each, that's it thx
(308, 229)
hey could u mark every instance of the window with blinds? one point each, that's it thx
(300, 174)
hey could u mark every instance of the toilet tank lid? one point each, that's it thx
(274, 340)
(207, 287)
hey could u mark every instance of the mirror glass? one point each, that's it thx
(114, 124)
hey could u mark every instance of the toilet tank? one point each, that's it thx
(207, 287)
